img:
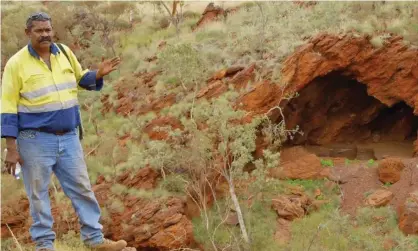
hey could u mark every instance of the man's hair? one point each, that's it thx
(38, 16)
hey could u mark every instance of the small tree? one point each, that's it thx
(173, 15)
(223, 148)
(185, 63)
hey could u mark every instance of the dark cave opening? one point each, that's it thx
(336, 111)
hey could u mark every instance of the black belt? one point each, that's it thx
(61, 132)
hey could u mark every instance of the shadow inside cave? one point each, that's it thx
(340, 119)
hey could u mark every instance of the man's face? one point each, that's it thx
(40, 34)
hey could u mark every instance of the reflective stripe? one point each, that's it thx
(45, 90)
(48, 107)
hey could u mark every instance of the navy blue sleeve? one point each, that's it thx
(89, 82)
(9, 125)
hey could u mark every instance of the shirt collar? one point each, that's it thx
(54, 50)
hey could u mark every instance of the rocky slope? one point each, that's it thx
(146, 224)
(348, 90)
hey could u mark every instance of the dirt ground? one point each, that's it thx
(360, 179)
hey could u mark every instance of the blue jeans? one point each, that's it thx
(44, 153)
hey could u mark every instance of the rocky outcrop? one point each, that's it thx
(390, 170)
(347, 90)
(408, 215)
(148, 224)
(238, 76)
(390, 73)
(297, 163)
(131, 92)
(389, 81)
(288, 208)
(156, 224)
(379, 198)
(213, 13)
(305, 4)
(345, 84)
(416, 148)
(156, 132)
(210, 14)
(15, 216)
(264, 96)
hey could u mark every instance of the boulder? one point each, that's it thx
(390, 170)
(290, 207)
(379, 198)
(408, 215)
(297, 163)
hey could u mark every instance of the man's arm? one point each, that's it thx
(9, 119)
(9, 101)
(86, 79)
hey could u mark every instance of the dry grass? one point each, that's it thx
(332, 230)
(69, 242)
(11, 189)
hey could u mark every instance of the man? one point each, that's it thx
(39, 119)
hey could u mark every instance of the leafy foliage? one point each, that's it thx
(183, 62)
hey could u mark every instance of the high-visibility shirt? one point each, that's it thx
(35, 97)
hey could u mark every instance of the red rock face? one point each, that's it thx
(288, 208)
(265, 96)
(144, 223)
(238, 76)
(390, 73)
(390, 170)
(408, 215)
(347, 90)
(155, 224)
(210, 14)
(130, 92)
(336, 77)
(416, 148)
(304, 4)
(213, 89)
(155, 134)
(213, 13)
(297, 163)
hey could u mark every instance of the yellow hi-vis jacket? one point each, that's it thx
(35, 97)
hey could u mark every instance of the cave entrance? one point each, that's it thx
(336, 114)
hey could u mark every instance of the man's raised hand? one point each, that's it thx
(107, 66)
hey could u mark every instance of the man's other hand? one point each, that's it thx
(107, 66)
(12, 157)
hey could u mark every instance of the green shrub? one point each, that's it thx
(331, 230)
(174, 183)
(184, 62)
(327, 162)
